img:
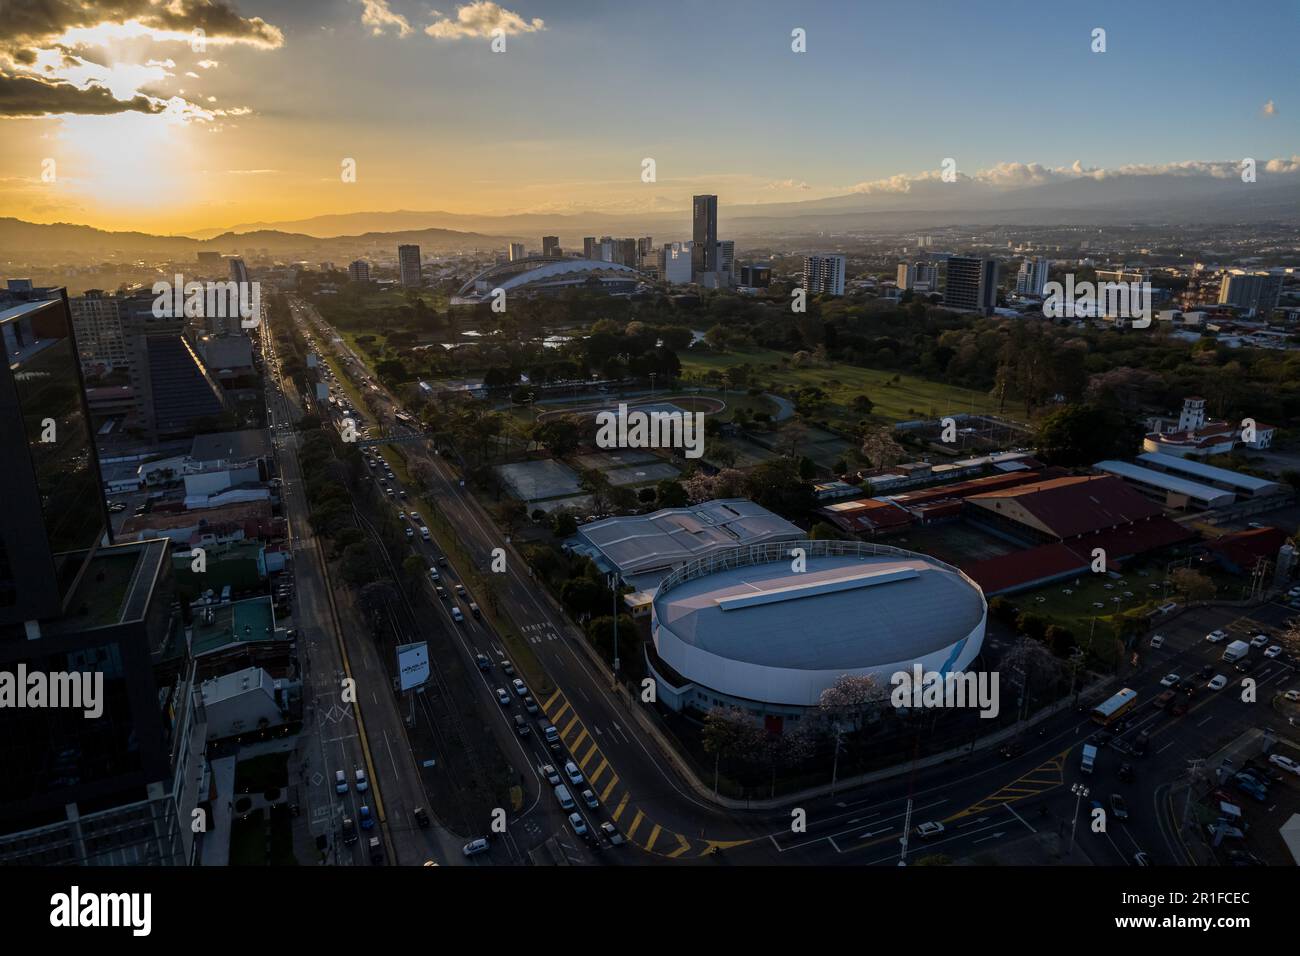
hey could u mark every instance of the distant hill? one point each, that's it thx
(18, 237)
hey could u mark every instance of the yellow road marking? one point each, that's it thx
(654, 835)
(621, 804)
(595, 774)
(546, 707)
(567, 727)
(578, 743)
(683, 845)
(555, 718)
(595, 749)
(636, 822)
(605, 793)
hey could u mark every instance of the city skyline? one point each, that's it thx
(219, 138)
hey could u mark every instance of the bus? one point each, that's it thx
(1111, 710)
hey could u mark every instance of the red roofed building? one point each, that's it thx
(1240, 551)
(1061, 508)
(867, 516)
(1025, 569)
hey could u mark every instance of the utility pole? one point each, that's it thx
(613, 586)
(1079, 791)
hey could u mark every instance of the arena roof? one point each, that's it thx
(843, 613)
(1197, 469)
(538, 270)
(639, 543)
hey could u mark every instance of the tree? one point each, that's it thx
(670, 494)
(777, 486)
(880, 448)
(1193, 585)
(732, 733)
(849, 698)
(1076, 435)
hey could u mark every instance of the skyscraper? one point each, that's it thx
(1032, 277)
(516, 251)
(590, 248)
(704, 235)
(1256, 292)
(408, 265)
(823, 273)
(972, 284)
(359, 270)
(918, 277)
(550, 245)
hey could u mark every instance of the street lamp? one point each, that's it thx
(1079, 791)
(613, 586)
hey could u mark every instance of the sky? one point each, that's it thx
(117, 115)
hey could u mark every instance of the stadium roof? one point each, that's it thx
(537, 270)
(844, 612)
(639, 543)
(1067, 507)
(1234, 479)
(1210, 497)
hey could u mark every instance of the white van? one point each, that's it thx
(562, 794)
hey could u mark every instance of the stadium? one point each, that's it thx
(741, 628)
(547, 275)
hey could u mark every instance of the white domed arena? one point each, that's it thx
(744, 628)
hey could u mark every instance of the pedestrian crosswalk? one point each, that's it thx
(537, 633)
(614, 796)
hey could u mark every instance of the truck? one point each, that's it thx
(1089, 758)
(1236, 651)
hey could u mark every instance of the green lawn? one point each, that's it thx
(907, 399)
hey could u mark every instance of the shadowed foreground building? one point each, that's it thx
(106, 789)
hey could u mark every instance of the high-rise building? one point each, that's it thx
(645, 247)
(359, 270)
(823, 274)
(1256, 292)
(971, 285)
(704, 235)
(516, 251)
(756, 275)
(97, 322)
(1032, 277)
(675, 263)
(920, 276)
(590, 248)
(550, 245)
(408, 265)
(81, 789)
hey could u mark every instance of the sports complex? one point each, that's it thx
(741, 627)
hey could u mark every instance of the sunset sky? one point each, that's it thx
(146, 131)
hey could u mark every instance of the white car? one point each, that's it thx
(1158, 640)
(1259, 640)
(1170, 680)
(1292, 695)
(1217, 682)
(475, 847)
(1274, 651)
(574, 774)
(579, 827)
(520, 687)
(1214, 637)
(1286, 763)
(502, 697)
(928, 829)
(456, 615)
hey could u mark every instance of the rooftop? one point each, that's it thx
(662, 539)
(240, 622)
(232, 446)
(1198, 469)
(1073, 506)
(1168, 482)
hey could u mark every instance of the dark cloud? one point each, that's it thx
(29, 96)
(32, 23)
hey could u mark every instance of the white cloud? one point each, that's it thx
(480, 19)
(379, 18)
(787, 184)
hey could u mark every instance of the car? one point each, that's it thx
(367, 818)
(1118, 807)
(611, 834)
(442, 593)
(1274, 651)
(589, 799)
(473, 609)
(349, 831)
(362, 783)
(340, 782)
(550, 774)
(1287, 764)
(1259, 640)
(390, 492)
(573, 773)
(410, 533)
(1217, 682)
(442, 560)
(389, 475)
(530, 705)
(1215, 637)
(416, 518)
(402, 493)
(1206, 671)
(483, 661)
(1170, 680)
(401, 516)
(521, 726)
(502, 697)
(376, 851)
(460, 590)
(434, 575)
(929, 828)
(1125, 772)
(1292, 695)
(579, 827)
(1163, 700)
(422, 818)
(475, 847)
(1245, 666)
(508, 668)
(456, 615)
(1140, 743)
(1158, 640)
(520, 687)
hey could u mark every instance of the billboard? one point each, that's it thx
(412, 665)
